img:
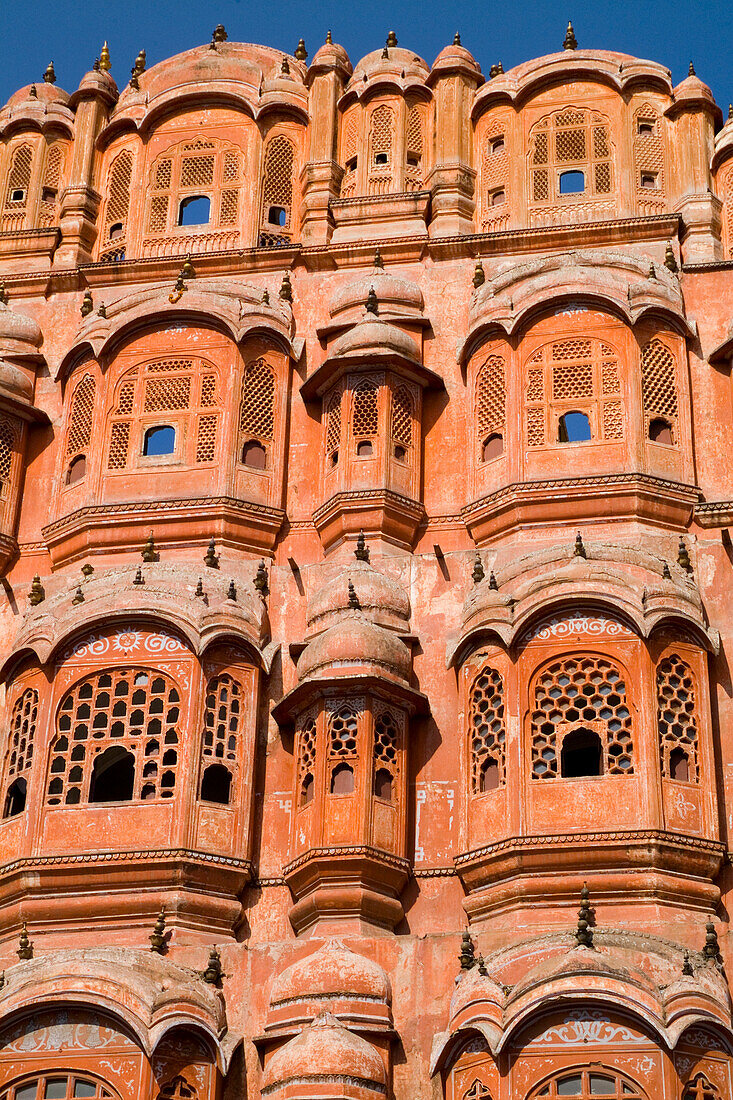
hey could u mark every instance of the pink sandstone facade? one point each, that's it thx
(365, 510)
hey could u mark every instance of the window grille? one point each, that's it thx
(414, 150)
(387, 737)
(333, 422)
(648, 146)
(494, 178)
(381, 140)
(677, 716)
(487, 729)
(490, 398)
(402, 416)
(350, 151)
(257, 404)
(365, 416)
(81, 418)
(204, 168)
(306, 759)
(570, 139)
(277, 188)
(19, 177)
(8, 438)
(579, 374)
(22, 734)
(55, 156)
(659, 384)
(222, 718)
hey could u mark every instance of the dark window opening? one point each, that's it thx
(277, 215)
(15, 798)
(573, 427)
(497, 145)
(679, 765)
(307, 790)
(498, 197)
(159, 441)
(254, 455)
(413, 160)
(489, 775)
(342, 779)
(380, 158)
(77, 470)
(216, 784)
(400, 452)
(383, 784)
(660, 430)
(365, 449)
(582, 755)
(572, 183)
(195, 210)
(334, 457)
(351, 164)
(113, 776)
(646, 128)
(648, 179)
(48, 194)
(17, 195)
(116, 230)
(493, 447)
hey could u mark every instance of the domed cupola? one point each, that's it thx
(400, 299)
(329, 1061)
(330, 57)
(455, 58)
(351, 987)
(285, 90)
(379, 597)
(391, 65)
(38, 106)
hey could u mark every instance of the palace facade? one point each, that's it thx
(365, 528)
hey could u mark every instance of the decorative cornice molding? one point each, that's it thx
(349, 850)
(186, 505)
(28, 863)
(682, 840)
(662, 485)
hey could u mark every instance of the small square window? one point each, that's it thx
(572, 183)
(646, 129)
(498, 197)
(17, 195)
(649, 180)
(497, 144)
(380, 158)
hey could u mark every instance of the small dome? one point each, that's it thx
(39, 93)
(455, 57)
(17, 329)
(372, 335)
(325, 1049)
(351, 646)
(331, 56)
(13, 383)
(579, 960)
(692, 90)
(484, 603)
(332, 971)
(380, 597)
(395, 294)
(403, 65)
(474, 989)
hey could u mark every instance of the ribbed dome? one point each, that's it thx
(45, 94)
(352, 645)
(402, 64)
(454, 57)
(373, 335)
(18, 329)
(379, 597)
(578, 960)
(325, 1049)
(331, 971)
(394, 293)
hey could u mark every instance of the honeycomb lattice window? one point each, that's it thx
(22, 733)
(343, 746)
(207, 168)
(257, 405)
(278, 186)
(677, 720)
(725, 189)
(573, 139)
(487, 731)
(333, 425)
(350, 151)
(306, 760)
(222, 718)
(19, 178)
(648, 144)
(133, 710)
(494, 189)
(490, 400)
(365, 412)
(182, 392)
(387, 738)
(8, 439)
(119, 184)
(81, 417)
(401, 416)
(581, 693)
(578, 375)
(414, 149)
(50, 190)
(381, 142)
(659, 385)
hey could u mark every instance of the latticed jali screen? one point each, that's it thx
(277, 189)
(490, 400)
(203, 167)
(659, 384)
(306, 758)
(81, 418)
(257, 404)
(494, 177)
(381, 142)
(222, 717)
(569, 375)
(572, 139)
(677, 717)
(487, 729)
(22, 734)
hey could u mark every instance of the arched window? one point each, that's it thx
(381, 141)
(487, 731)
(159, 441)
(48, 210)
(588, 1084)
(194, 210)
(306, 760)
(401, 423)
(17, 188)
(568, 380)
(333, 427)
(659, 391)
(490, 408)
(79, 431)
(648, 142)
(677, 720)
(342, 749)
(220, 740)
(387, 739)
(119, 182)
(570, 155)
(365, 416)
(19, 756)
(196, 186)
(578, 700)
(277, 192)
(257, 414)
(58, 1085)
(133, 711)
(494, 178)
(414, 149)
(8, 444)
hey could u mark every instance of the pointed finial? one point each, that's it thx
(570, 42)
(138, 578)
(391, 39)
(329, 40)
(482, 967)
(493, 71)
(2, 980)
(86, 570)
(467, 956)
(213, 973)
(50, 74)
(232, 590)
(361, 553)
(95, 66)
(78, 597)
(652, 273)
(479, 275)
(301, 52)
(687, 965)
(199, 589)
(372, 304)
(730, 112)
(691, 70)
(378, 261)
(3, 294)
(134, 82)
(494, 587)
(711, 950)
(33, 93)
(665, 571)
(260, 581)
(102, 311)
(579, 551)
(353, 598)
(148, 550)
(456, 39)
(286, 288)
(500, 69)
(25, 945)
(87, 304)
(385, 57)
(669, 258)
(478, 569)
(157, 936)
(211, 558)
(37, 592)
(140, 62)
(104, 62)
(584, 933)
(219, 34)
(285, 67)
(683, 558)
(188, 271)
(265, 297)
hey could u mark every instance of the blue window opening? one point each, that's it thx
(572, 183)
(277, 215)
(573, 427)
(159, 441)
(195, 210)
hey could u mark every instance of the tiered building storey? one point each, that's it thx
(366, 495)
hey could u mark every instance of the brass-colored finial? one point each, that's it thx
(232, 590)
(140, 62)
(467, 956)
(102, 311)
(33, 93)
(25, 945)
(665, 571)
(493, 71)
(652, 273)
(285, 67)
(361, 553)
(479, 275)
(711, 950)
(478, 569)
(50, 74)
(301, 52)
(691, 70)
(87, 304)
(670, 261)
(391, 39)
(134, 82)
(579, 551)
(570, 42)
(138, 578)
(78, 597)
(200, 589)
(104, 61)
(211, 558)
(730, 112)
(492, 582)
(584, 933)
(3, 294)
(378, 261)
(265, 297)
(157, 936)
(218, 35)
(482, 967)
(286, 288)
(353, 598)
(260, 581)
(500, 69)
(95, 66)
(687, 965)
(683, 557)
(329, 40)
(148, 551)
(372, 304)
(37, 592)
(456, 39)
(385, 55)
(213, 973)
(187, 271)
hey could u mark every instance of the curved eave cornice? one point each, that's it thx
(723, 146)
(335, 366)
(724, 352)
(239, 313)
(294, 104)
(145, 112)
(450, 67)
(39, 119)
(322, 686)
(322, 68)
(695, 103)
(388, 82)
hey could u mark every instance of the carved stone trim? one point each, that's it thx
(139, 855)
(690, 492)
(359, 850)
(683, 840)
(109, 511)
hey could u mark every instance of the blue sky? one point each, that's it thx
(70, 32)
